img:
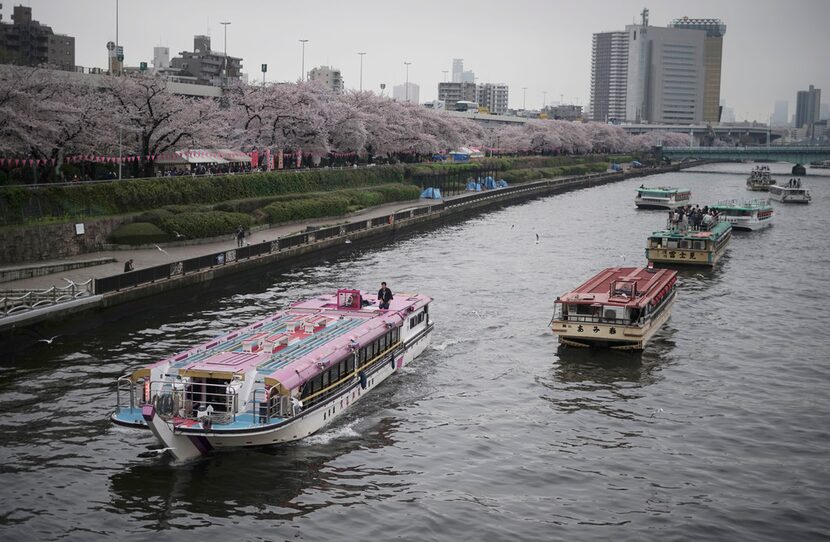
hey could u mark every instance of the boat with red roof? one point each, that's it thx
(279, 379)
(620, 308)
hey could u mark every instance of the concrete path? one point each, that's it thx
(174, 252)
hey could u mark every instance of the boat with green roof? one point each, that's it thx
(747, 215)
(662, 197)
(681, 245)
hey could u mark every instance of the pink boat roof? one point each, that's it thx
(648, 283)
(335, 330)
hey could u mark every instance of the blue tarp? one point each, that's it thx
(616, 167)
(473, 186)
(501, 183)
(635, 163)
(431, 193)
(459, 157)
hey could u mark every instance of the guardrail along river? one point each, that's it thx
(717, 431)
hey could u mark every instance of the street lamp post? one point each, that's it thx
(225, 24)
(119, 72)
(361, 71)
(302, 65)
(407, 80)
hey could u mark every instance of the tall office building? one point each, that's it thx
(331, 78)
(609, 72)
(712, 60)
(665, 74)
(458, 73)
(781, 113)
(807, 106)
(401, 94)
(29, 43)
(493, 96)
(161, 58)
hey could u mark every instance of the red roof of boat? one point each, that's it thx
(649, 284)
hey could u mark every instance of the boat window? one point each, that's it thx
(684, 244)
(583, 309)
(671, 244)
(325, 380)
(698, 245)
(350, 365)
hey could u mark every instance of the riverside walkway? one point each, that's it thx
(163, 268)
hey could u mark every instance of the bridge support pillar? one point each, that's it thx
(799, 169)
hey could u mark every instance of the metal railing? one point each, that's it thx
(16, 301)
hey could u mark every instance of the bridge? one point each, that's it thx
(775, 153)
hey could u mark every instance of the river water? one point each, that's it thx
(719, 430)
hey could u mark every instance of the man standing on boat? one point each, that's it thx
(384, 296)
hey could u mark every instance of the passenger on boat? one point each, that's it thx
(384, 296)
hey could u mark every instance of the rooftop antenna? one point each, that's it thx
(645, 16)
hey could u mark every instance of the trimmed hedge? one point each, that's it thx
(195, 225)
(527, 175)
(138, 233)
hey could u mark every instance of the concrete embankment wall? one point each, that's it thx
(376, 230)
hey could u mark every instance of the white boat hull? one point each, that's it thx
(193, 442)
(749, 224)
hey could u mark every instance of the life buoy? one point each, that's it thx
(349, 301)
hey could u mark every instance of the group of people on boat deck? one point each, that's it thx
(693, 217)
(794, 183)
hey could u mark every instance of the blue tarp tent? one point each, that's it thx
(473, 186)
(431, 193)
(489, 183)
(460, 157)
(616, 167)
(635, 163)
(501, 183)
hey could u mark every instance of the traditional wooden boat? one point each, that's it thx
(684, 246)
(620, 308)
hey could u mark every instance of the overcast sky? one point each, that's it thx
(771, 48)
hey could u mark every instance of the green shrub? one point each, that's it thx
(138, 233)
(195, 225)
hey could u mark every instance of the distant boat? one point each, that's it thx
(663, 197)
(792, 192)
(759, 179)
(620, 308)
(677, 246)
(747, 215)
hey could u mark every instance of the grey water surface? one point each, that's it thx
(719, 430)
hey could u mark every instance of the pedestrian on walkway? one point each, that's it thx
(128, 265)
(240, 236)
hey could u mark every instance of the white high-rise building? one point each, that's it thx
(609, 74)
(161, 58)
(457, 69)
(400, 93)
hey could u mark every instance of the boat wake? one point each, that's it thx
(335, 433)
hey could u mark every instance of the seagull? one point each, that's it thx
(48, 341)
(177, 234)
(512, 226)
(348, 241)
(537, 238)
(655, 412)
(160, 249)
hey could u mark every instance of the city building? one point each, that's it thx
(493, 96)
(28, 43)
(403, 94)
(712, 60)
(563, 112)
(665, 74)
(329, 77)
(781, 113)
(458, 73)
(609, 73)
(207, 67)
(451, 93)
(807, 106)
(161, 58)
(824, 112)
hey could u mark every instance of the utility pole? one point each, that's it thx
(302, 65)
(407, 80)
(225, 24)
(119, 73)
(361, 71)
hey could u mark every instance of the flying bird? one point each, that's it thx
(537, 238)
(348, 241)
(160, 249)
(48, 341)
(177, 234)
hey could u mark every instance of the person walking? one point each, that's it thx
(384, 296)
(240, 236)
